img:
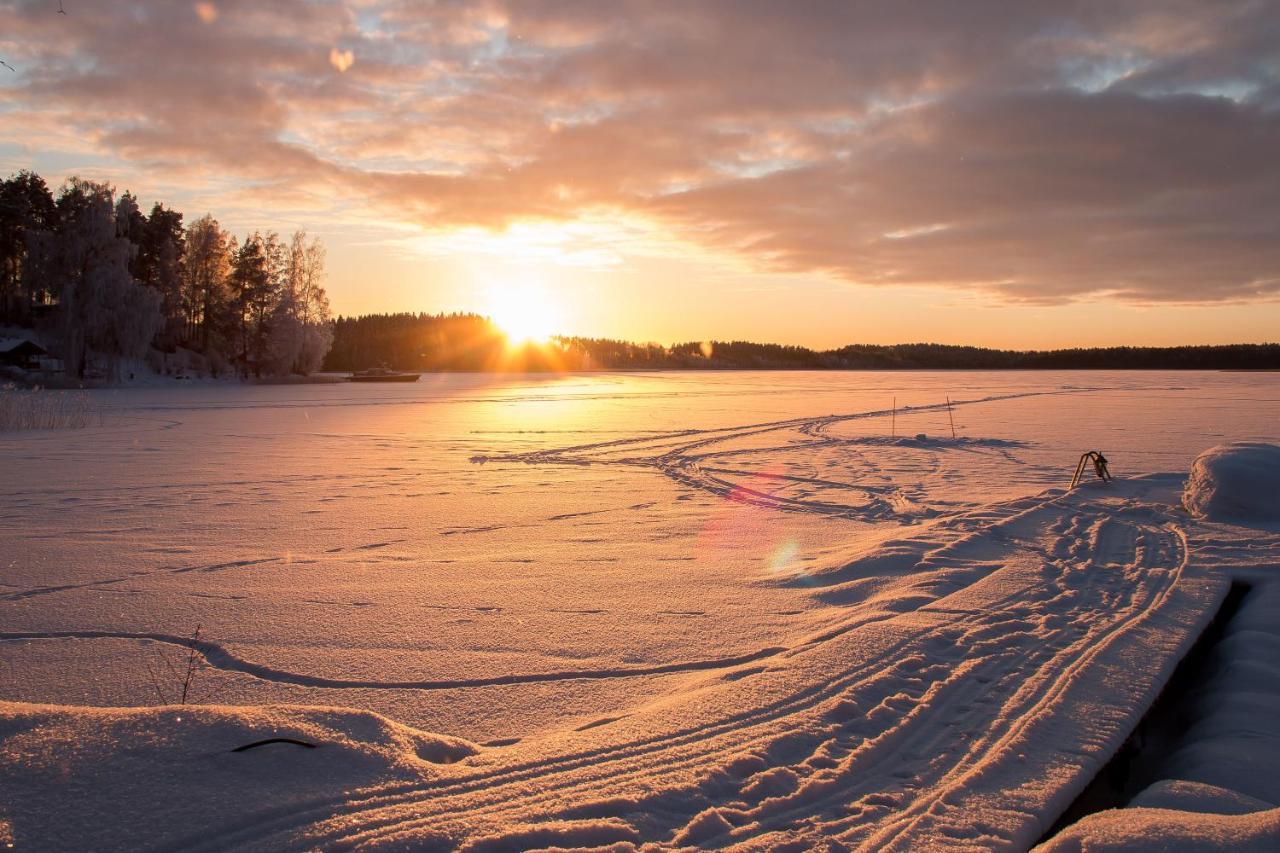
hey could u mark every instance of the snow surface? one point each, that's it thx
(677, 609)
(1236, 482)
(1220, 788)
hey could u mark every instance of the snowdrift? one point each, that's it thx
(121, 773)
(1238, 482)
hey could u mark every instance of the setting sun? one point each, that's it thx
(525, 314)
(493, 424)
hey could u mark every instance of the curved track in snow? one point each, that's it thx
(898, 728)
(222, 658)
(705, 460)
(958, 685)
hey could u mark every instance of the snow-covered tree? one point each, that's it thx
(102, 311)
(132, 225)
(317, 320)
(301, 328)
(204, 281)
(259, 304)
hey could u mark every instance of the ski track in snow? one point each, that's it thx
(692, 463)
(689, 463)
(876, 733)
(938, 707)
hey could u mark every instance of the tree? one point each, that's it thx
(131, 225)
(316, 318)
(301, 329)
(100, 308)
(160, 262)
(26, 206)
(117, 282)
(253, 299)
(205, 296)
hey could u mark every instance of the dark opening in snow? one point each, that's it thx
(1138, 762)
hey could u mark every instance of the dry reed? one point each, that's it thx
(38, 408)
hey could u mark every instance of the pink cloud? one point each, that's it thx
(1028, 151)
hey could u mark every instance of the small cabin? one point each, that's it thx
(22, 353)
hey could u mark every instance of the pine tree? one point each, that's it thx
(160, 261)
(26, 207)
(252, 301)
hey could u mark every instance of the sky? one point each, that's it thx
(1030, 174)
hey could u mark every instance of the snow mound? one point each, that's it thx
(1237, 482)
(1161, 829)
(113, 771)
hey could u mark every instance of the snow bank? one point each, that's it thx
(1163, 829)
(1237, 482)
(72, 775)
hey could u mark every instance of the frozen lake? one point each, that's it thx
(345, 532)
(500, 559)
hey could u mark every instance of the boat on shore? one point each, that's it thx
(382, 374)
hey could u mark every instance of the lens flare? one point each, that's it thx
(783, 559)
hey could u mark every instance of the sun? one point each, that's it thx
(524, 313)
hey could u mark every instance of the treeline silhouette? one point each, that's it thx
(105, 283)
(470, 342)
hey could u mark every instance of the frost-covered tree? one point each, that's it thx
(205, 295)
(159, 243)
(259, 304)
(317, 321)
(284, 344)
(101, 310)
(301, 328)
(131, 225)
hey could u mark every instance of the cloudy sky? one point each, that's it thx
(1000, 173)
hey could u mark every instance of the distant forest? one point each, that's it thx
(469, 342)
(103, 284)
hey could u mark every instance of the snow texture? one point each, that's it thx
(1221, 789)
(614, 611)
(1236, 482)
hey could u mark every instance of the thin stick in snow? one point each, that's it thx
(951, 418)
(191, 665)
(155, 682)
(893, 424)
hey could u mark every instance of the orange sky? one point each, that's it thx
(817, 173)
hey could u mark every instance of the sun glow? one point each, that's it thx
(525, 314)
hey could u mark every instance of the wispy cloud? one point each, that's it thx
(1033, 152)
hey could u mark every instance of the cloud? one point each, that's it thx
(1036, 151)
(1037, 196)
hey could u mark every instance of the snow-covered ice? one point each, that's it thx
(760, 609)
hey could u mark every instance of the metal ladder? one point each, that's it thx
(1099, 466)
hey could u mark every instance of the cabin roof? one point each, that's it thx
(21, 346)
